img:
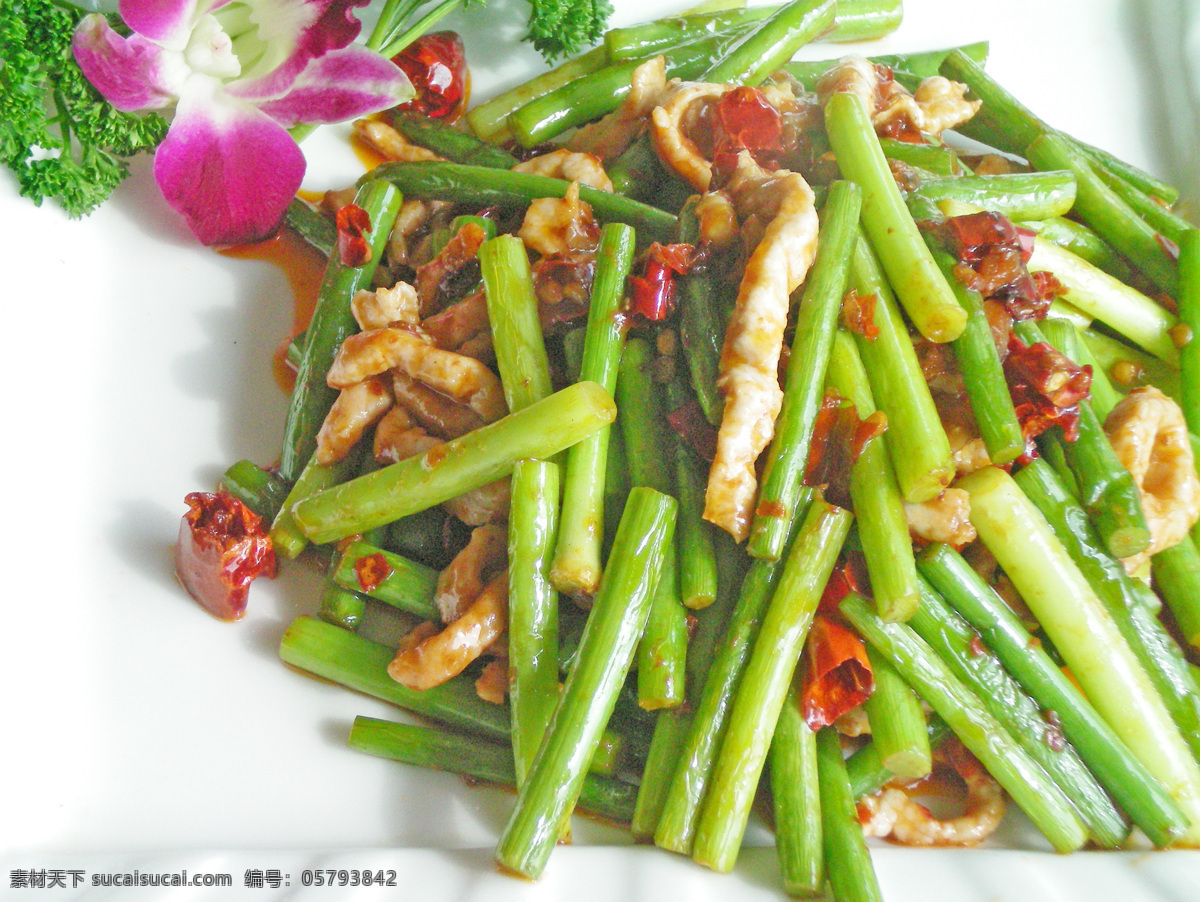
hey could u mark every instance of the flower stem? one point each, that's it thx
(422, 25)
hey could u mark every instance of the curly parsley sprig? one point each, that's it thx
(60, 138)
(560, 28)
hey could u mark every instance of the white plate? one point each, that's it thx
(141, 734)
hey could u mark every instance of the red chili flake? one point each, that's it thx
(689, 423)
(675, 257)
(222, 548)
(353, 225)
(873, 426)
(837, 674)
(976, 648)
(1036, 415)
(436, 64)
(652, 294)
(823, 426)
(371, 570)
(1005, 278)
(858, 314)
(991, 268)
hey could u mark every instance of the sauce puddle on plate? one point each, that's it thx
(304, 267)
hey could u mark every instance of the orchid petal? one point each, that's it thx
(229, 169)
(342, 84)
(325, 26)
(129, 72)
(166, 22)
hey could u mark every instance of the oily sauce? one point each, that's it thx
(368, 155)
(304, 268)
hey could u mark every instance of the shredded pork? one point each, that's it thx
(937, 105)
(749, 366)
(1148, 431)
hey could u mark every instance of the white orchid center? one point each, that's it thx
(210, 50)
(263, 33)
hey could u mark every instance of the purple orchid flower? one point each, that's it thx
(240, 73)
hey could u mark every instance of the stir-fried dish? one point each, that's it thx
(755, 438)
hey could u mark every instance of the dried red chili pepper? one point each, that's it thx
(849, 576)
(436, 64)
(744, 119)
(973, 234)
(689, 423)
(1046, 389)
(1048, 370)
(838, 439)
(353, 225)
(837, 674)
(1036, 415)
(1047, 285)
(1025, 240)
(991, 254)
(222, 548)
(652, 294)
